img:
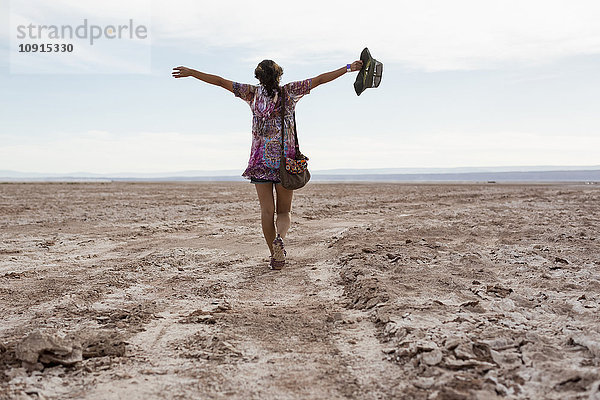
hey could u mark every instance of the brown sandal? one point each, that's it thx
(278, 257)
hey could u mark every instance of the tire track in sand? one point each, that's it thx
(296, 337)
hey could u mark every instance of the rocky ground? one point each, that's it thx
(162, 291)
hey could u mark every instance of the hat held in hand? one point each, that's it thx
(369, 75)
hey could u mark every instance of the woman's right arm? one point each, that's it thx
(329, 76)
(183, 72)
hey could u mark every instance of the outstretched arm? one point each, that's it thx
(182, 72)
(329, 76)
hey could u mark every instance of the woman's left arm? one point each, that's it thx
(329, 76)
(183, 72)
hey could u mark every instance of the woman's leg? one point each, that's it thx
(267, 211)
(284, 207)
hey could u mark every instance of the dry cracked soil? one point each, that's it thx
(114, 290)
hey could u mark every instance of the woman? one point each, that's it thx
(263, 168)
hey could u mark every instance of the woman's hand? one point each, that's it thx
(356, 65)
(182, 72)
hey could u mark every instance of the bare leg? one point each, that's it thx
(284, 207)
(267, 211)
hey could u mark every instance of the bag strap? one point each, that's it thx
(282, 123)
(296, 136)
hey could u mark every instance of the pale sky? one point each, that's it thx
(466, 83)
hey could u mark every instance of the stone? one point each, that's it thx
(40, 349)
(592, 345)
(464, 351)
(506, 359)
(433, 357)
(452, 342)
(427, 346)
(498, 290)
(454, 364)
(424, 383)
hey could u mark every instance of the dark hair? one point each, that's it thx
(268, 73)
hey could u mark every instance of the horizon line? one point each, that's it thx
(341, 171)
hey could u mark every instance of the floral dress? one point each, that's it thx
(266, 126)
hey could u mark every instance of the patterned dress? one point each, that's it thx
(266, 126)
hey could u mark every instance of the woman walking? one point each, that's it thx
(265, 101)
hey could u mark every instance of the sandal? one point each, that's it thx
(279, 253)
(276, 265)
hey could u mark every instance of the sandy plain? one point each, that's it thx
(162, 291)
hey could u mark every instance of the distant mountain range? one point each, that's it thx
(467, 174)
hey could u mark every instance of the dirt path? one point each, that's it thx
(182, 283)
(391, 291)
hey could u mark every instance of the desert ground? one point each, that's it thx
(115, 290)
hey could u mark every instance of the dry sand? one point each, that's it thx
(161, 291)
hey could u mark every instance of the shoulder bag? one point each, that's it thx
(293, 172)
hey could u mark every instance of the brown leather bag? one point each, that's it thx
(293, 173)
